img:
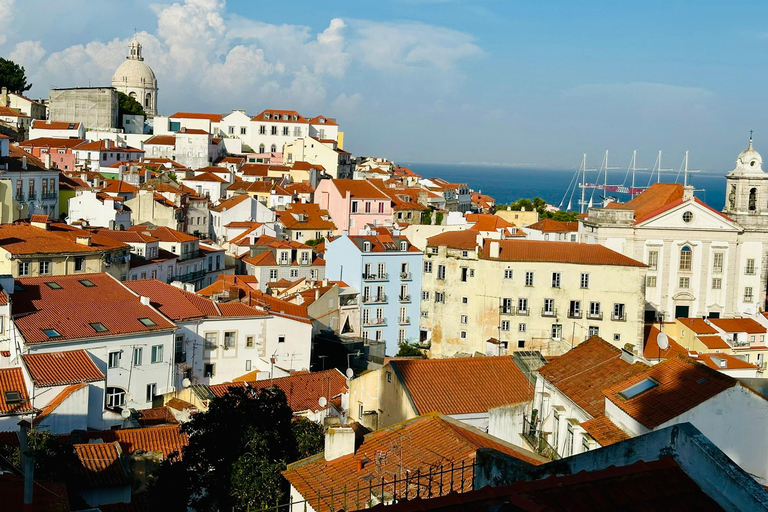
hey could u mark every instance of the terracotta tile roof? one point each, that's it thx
(101, 465)
(206, 176)
(554, 226)
(227, 282)
(22, 238)
(40, 124)
(243, 224)
(254, 170)
(15, 159)
(713, 342)
(682, 385)
(558, 252)
(51, 406)
(179, 404)
(486, 382)
(746, 325)
(117, 186)
(306, 166)
(164, 438)
(719, 361)
(216, 118)
(12, 379)
(278, 307)
(105, 145)
(585, 371)
(463, 239)
(175, 303)
(51, 142)
(157, 416)
(305, 216)
(604, 431)
(657, 196)
(227, 204)
(193, 131)
(9, 112)
(302, 389)
(698, 325)
(238, 309)
(383, 243)
(161, 140)
(358, 189)
(136, 237)
(651, 350)
(61, 368)
(279, 113)
(487, 222)
(72, 307)
(323, 120)
(231, 160)
(165, 234)
(433, 441)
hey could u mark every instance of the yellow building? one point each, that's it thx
(519, 218)
(489, 296)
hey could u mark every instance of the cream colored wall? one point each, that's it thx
(375, 391)
(60, 265)
(484, 291)
(519, 218)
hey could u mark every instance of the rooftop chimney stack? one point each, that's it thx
(24, 163)
(494, 249)
(339, 441)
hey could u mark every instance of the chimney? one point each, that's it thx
(628, 356)
(47, 160)
(317, 293)
(107, 143)
(339, 441)
(24, 163)
(83, 240)
(494, 249)
(144, 300)
(39, 221)
(27, 462)
(687, 193)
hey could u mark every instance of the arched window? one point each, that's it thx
(148, 100)
(132, 94)
(685, 258)
(261, 148)
(115, 397)
(752, 199)
(274, 148)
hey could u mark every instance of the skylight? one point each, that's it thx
(53, 285)
(638, 389)
(99, 327)
(12, 397)
(148, 322)
(52, 333)
(87, 283)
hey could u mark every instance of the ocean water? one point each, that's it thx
(508, 184)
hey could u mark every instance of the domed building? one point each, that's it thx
(136, 79)
(746, 198)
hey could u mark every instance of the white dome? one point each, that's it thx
(134, 73)
(748, 162)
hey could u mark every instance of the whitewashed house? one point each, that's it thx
(239, 208)
(99, 209)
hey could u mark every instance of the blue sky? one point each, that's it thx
(527, 83)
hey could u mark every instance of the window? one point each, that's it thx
(687, 217)
(505, 325)
(209, 370)
(684, 282)
(294, 272)
(653, 260)
(99, 327)
(285, 130)
(521, 327)
(242, 130)
(569, 441)
(273, 273)
(389, 377)
(557, 331)
(439, 297)
(424, 295)
(378, 335)
(529, 278)
(717, 283)
(151, 391)
(464, 274)
(555, 279)
(157, 353)
(464, 300)
(13, 397)
(650, 281)
(584, 280)
(463, 335)
(748, 270)
(638, 389)
(381, 210)
(281, 339)
(618, 312)
(230, 339)
(441, 271)
(52, 333)
(717, 262)
(508, 273)
(45, 267)
(549, 306)
(23, 268)
(433, 250)
(617, 337)
(115, 397)
(506, 306)
(555, 429)
(249, 341)
(114, 360)
(748, 294)
(428, 267)
(685, 258)
(367, 207)
(463, 319)
(354, 206)
(53, 285)
(138, 355)
(522, 306)
(594, 310)
(147, 322)
(593, 331)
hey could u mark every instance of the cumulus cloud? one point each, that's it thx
(6, 16)
(28, 53)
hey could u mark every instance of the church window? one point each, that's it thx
(653, 260)
(685, 258)
(687, 217)
(261, 148)
(750, 267)
(717, 262)
(685, 282)
(273, 149)
(148, 100)
(752, 199)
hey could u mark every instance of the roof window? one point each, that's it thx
(638, 389)
(98, 327)
(52, 333)
(147, 322)
(12, 397)
(53, 285)
(87, 283)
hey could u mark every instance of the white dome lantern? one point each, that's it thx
(136, 79)
(749, 161)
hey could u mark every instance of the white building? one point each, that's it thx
(99, 209)
(56, 129)
(336, 162)
(240, 208)
(136, 79)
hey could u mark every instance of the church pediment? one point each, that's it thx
(683, 296)
(691, 216)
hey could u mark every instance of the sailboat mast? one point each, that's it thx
(583, 181)
(685, 172)
(634, 164)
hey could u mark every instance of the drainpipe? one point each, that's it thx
(27, 462)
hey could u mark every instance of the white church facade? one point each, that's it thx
(701, 262)
(136, 79)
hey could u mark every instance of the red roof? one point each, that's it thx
(558, 252)
(23, 238)
(652, 350)
(74, 309)
(698, 325)
(9, 112)
(305, 216)
(554, 226)
(117, 186)
(39, 124)
(161, 140)
(604, 431)
(323, 120)
(101, 465)
(12, 379)
(51, 142)
(165, 439)
(657, 196)
(62, 368)
(165, 234)
(233, 201)
(358, 189)
(196, 115)
(278, 307)
(682, 384)
(720, 361)
(277, 115)
(585, 371)
(206, 176)
(487, 222)
(486, 382)
(713, 341)
(463, 239)
(428, 442)
(746, 325)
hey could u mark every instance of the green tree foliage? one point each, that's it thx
(309, 438)
(128, 105)
(237, 450)
(314, 242)
(426, 217)
(540, 206)
(13, 76)
(439, 219)
(407, 350)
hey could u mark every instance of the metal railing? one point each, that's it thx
(595, 316)
(374, 299)
(537, 441)
(405, 321)
(405, 276)
(523, 312)
(574, 314)
(189, 276)
(548, 312)
(619, 318)
(405, 298)
(376, 277)
(375, 321)
(507, 310)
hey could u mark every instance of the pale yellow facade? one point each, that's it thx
(61, 264)
(479, 299)
(519, 218)
(377, 399)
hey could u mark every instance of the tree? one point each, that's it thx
(13, 76)
(309, 436)
(315, 241)
(426, 217)
(405, 349)
(128, 105)
(439, 219)
(236, 452)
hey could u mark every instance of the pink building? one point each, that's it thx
(55, 153)
(353, 203)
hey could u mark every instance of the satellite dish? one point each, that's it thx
(322, 401)
(662, 341)
(125, 413)
(186, 383)
(350, 373)
(129, 397)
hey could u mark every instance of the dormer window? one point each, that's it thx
(366, 246)
(403, 245)
(12, 397)
(266, 116)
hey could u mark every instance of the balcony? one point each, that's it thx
(548, 312)
(377, 299)
(404, 321)
(376, 277)
(595, 316)
(622, 317)
(50, 196)
(374, 321)
(405, 276)
(507, 310)
(20, 197)
(405, 298)
(572, 313)
(523, 312)
(537, 439)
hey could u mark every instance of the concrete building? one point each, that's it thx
(27, 186)
(239, 208)
(136, 79)
(93, 107)
(271, 260)
(386, 271)
(546, 296)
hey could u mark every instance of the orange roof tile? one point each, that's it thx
(558, 252)
(682, 385)
(383, 242)
(216, 118)
(62, 368)
(655, 197)
(117, 186)
(277, 115)
(305, 216)
(101, 465)
(233, 201)
(12, 379)
(161, 140)
(713, 341)
(206, 176)
(486, 382)
(652, 350)
(278, 307)
(51, 142)
(746, 325)
(157, 416)
(164, 438)
(323, 120)
(584, 372)
(22, 238)
(165, 234)
(358, 189)
(463, 239)
(719, 361)
(697, 325)
(487, 222)
(40, 124)
(9, 112)
(433, 441)
(554, 226)
(604, 431)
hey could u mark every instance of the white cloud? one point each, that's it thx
(28, 53)
(6, 16)
(344, 104)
